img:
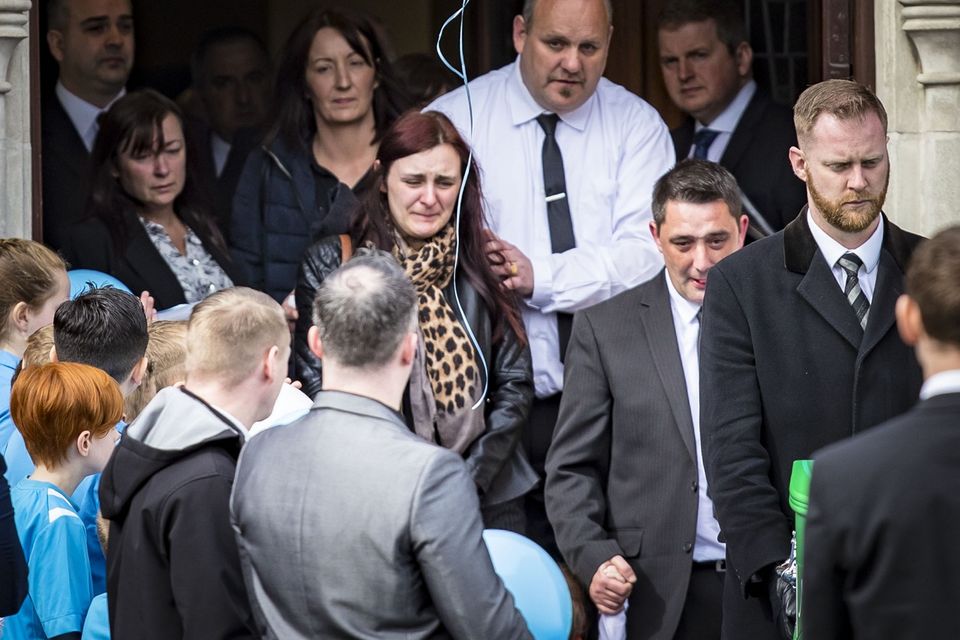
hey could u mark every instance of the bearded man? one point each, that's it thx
(798, 345)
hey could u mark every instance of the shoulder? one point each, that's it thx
(615, 307)
(765, 253)
(324, 255)
(617, 103)
(454, 103)
(866, 454)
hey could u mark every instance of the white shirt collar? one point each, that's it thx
(524, 108)
(868, 252)
(220, 149)
(940, 383)
(687, 311)
(727, 121)
(82, 114)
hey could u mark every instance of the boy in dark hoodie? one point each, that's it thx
(173, 569)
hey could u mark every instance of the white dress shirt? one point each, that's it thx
(220, 150)
(725, 123)
(868, 252)
(614, 148)
(940, 383)
(82, 114)
(687, 325)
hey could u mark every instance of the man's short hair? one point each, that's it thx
(529, 6)
(219, 36)
(932, 281)
(698, 182)
(103, 327)
(364, 309)
(726, 14)
(229, 332)
(52, 404)
(843, 99)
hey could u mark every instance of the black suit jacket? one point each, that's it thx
(757, 156)
(883, 525)
(786, 370)
(622, 467)
(66, 172)
(218, 190)
(140, 266)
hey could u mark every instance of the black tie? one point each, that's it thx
(701, 142)
(851, 263)
(558, 209)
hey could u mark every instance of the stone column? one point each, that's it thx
(15, 154)
(918, 80)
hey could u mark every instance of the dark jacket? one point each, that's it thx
(140, 266)
(173, 570)
(13, 566)
(785, 369)
(283, 203)
(881, 529)
(496, 462)
(66, 172)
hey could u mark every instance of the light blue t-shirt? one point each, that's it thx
(59, 589)
(87, 497)
(97, 624)
(8, 364)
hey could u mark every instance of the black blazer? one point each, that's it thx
(785, 369)
(622, 467)
(218, 190)
(883, 525)
(66, 172)
(757, 156)
(140, 266)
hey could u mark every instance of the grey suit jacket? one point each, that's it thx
(350, 526)
(622, 468)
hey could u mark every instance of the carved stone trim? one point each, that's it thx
(934, 29)
(15, 172)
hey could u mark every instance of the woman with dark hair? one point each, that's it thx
(411, 213)
(146, 226)
(335, 96)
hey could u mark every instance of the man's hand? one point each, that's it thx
(290, 311)
(611, 585)
(509, 264)
(148, 307)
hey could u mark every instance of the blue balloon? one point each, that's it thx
(535, 581)
(85, 279)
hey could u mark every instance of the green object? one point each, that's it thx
(799, 501)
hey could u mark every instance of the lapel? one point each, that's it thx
(882, 316)
(143, 259)
(683, 138)
(818, 286)
(62, 139)
(657, 318)
(748, 126)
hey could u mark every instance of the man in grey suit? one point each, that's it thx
(626, 492)
(349, 525)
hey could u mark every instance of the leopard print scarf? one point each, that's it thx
(448, 358)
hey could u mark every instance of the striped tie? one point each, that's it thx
(851, 263)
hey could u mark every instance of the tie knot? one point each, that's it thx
(548, 122)
(850, 262)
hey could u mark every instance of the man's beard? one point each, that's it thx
(846, 219)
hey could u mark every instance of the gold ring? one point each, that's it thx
(513, 268)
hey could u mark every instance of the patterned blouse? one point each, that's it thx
(198, 273)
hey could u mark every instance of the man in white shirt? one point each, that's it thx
(798, 347)
(884, 513)
(92, 42)
(626, 462)
(571, 232)
(707, 65)
(231, 77)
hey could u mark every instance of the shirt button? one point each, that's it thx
(195, 262)
(694, 486)
(212, 288)
(687, 547)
